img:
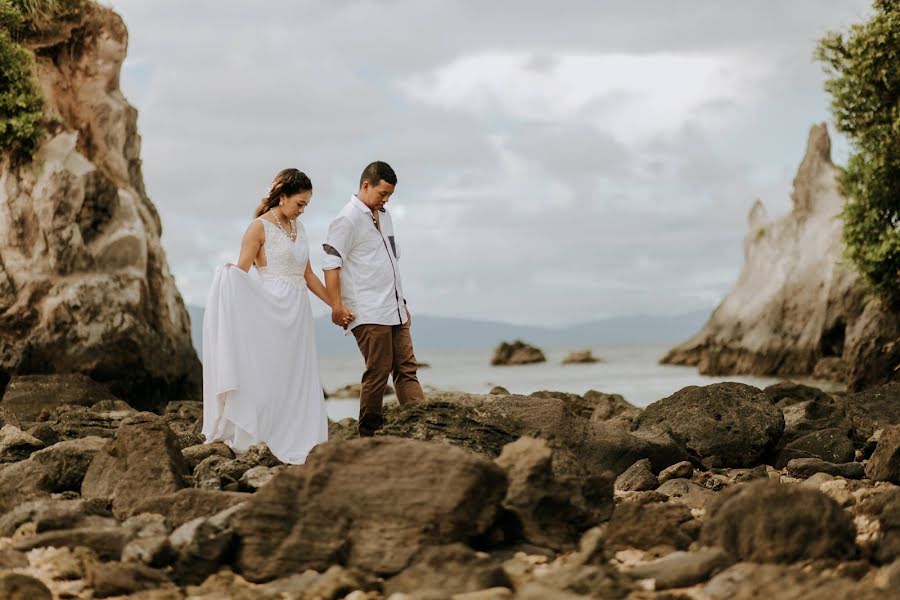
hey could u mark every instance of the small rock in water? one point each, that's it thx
(517, 353)
(583, 357)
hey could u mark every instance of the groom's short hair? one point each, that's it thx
(376, 172)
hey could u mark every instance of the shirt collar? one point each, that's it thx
(355, 201)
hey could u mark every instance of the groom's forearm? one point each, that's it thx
(333, 287)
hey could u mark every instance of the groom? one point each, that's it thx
(362, 274)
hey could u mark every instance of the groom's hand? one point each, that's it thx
(342, 316)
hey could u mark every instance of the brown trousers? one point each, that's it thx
(387, 350)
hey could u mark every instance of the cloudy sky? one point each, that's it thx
(558, 161)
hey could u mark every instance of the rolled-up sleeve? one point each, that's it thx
(338, 243)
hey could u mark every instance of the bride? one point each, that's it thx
(260, 370)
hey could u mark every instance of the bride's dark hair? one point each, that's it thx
(288, 182)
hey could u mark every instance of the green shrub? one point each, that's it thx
(864, 83)
(21, 106)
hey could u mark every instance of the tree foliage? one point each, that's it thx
(21, 105)
(864, 82)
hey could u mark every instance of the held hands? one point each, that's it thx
(342, 316)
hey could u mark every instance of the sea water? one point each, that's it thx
(632, 370)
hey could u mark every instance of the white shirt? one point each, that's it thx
(367, 258)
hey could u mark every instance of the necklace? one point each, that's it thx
(293, 234)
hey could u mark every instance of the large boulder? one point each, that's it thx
(144, 453)
(872, 409)
(67, 462)
(796, 302)
(768, 521)
(23, 481)
(553, 506)
(371, 504)
(721, 425)
(84, 282)
(885, 462)
(517, 353)
(485, 424)
(30, 395)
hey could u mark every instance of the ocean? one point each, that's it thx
(631, 370)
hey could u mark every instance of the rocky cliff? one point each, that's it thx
(84, 284)
(797, 308)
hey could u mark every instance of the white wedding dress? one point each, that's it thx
(260, 369)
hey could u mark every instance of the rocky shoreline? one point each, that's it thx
(722, 491)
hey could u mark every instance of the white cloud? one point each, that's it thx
(632, 96)
(593, 161)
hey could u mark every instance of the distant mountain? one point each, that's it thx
(447, 333)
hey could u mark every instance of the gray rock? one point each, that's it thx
(54, 513)
(8, 417)
(73, 422)
(200, 546)
(685, 491)
(194, 455)
(385, 498)
(553, 505)
(499, 391)
(748, 581)
(807, 467)
(185, 505)
(831, 445)
(30, 395)
(453, 569)
(883, 505)
(608, 407)
(650, 525)
(484, 424)
(23, 481)
(107, 542)
(17, 586)
(16, 445)
(637, 478)
(12, 559)
(885, 462)
(337, 582)
(119, 579)
(789, 393)
(872, 409)
(682, 569)
(67, 462)
(144, 450)
(810, 416)
(767, 521)
(256, 477)
(724, 424)
(517, 353)
(681, 470)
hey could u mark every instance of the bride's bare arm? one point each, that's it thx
(315, 285)
(253, 241)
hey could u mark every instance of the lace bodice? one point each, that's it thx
(285, 260)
